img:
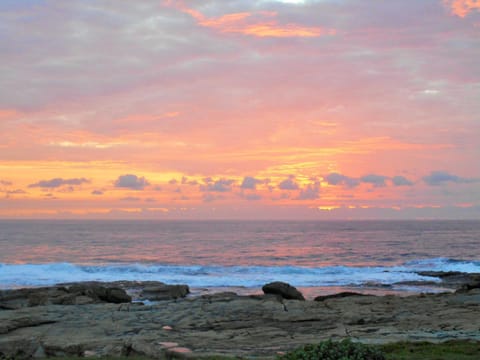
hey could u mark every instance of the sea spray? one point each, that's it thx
(18, 275)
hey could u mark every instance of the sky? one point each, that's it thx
(240, 109)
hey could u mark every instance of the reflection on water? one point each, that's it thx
(316, 255)
(311, 244)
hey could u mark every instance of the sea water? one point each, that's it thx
(239, 255)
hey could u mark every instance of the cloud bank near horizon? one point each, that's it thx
(317, 104)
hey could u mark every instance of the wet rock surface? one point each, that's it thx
(229, 324)
(337, 296)
(284, 290)
(454, 279)
(68, 294)
(164, 292)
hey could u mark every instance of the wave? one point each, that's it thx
(444, 264)
(25, 275)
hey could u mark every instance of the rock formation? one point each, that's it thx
(223, 324)
(75, 294)
(286, 291)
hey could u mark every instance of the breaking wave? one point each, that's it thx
(28, 275)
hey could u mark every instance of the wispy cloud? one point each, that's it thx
(436, 178)
(88, 144)
(209, 197)
(374, 179)
(58, 182)
(258, 24)
(463, 7)
(401, 181)
(16, 191)
(131, 199)
(223, 95)
(8, 114)
(340, 179)
(251, 197)
(220, 185)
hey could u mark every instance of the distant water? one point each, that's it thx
(236, 254)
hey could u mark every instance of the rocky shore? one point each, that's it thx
(96, 319)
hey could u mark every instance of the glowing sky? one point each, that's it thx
(311, 109)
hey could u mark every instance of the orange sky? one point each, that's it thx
(178, 109)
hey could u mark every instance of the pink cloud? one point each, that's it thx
(8, 114)
(258, 24)
(462, 7)
(188, 91)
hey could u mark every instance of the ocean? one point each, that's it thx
(316, 256)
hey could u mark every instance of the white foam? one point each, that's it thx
(444, 264)
(20, 275)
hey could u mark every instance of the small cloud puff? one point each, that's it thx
(221, 185)
(58, 182)
(185, 181)
(441, 177)
(401, 181)
(374, 179)
(5, 183)
(132, 182)
(288, 184)
(250, 183)
(310, 192)
(97, 192)
(339, 179)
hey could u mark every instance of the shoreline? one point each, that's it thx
(311, 292)
(441, 281)
(99, 319)
(448, 282)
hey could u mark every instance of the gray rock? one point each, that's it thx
(284, 290)
(50, 322)
(82, 293)
(117, 296)
(472, 283)
(338, 295)
(164, 292)
(232, 325)
(454, 279)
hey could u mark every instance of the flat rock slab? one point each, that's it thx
(74, 294)
(233, 325)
